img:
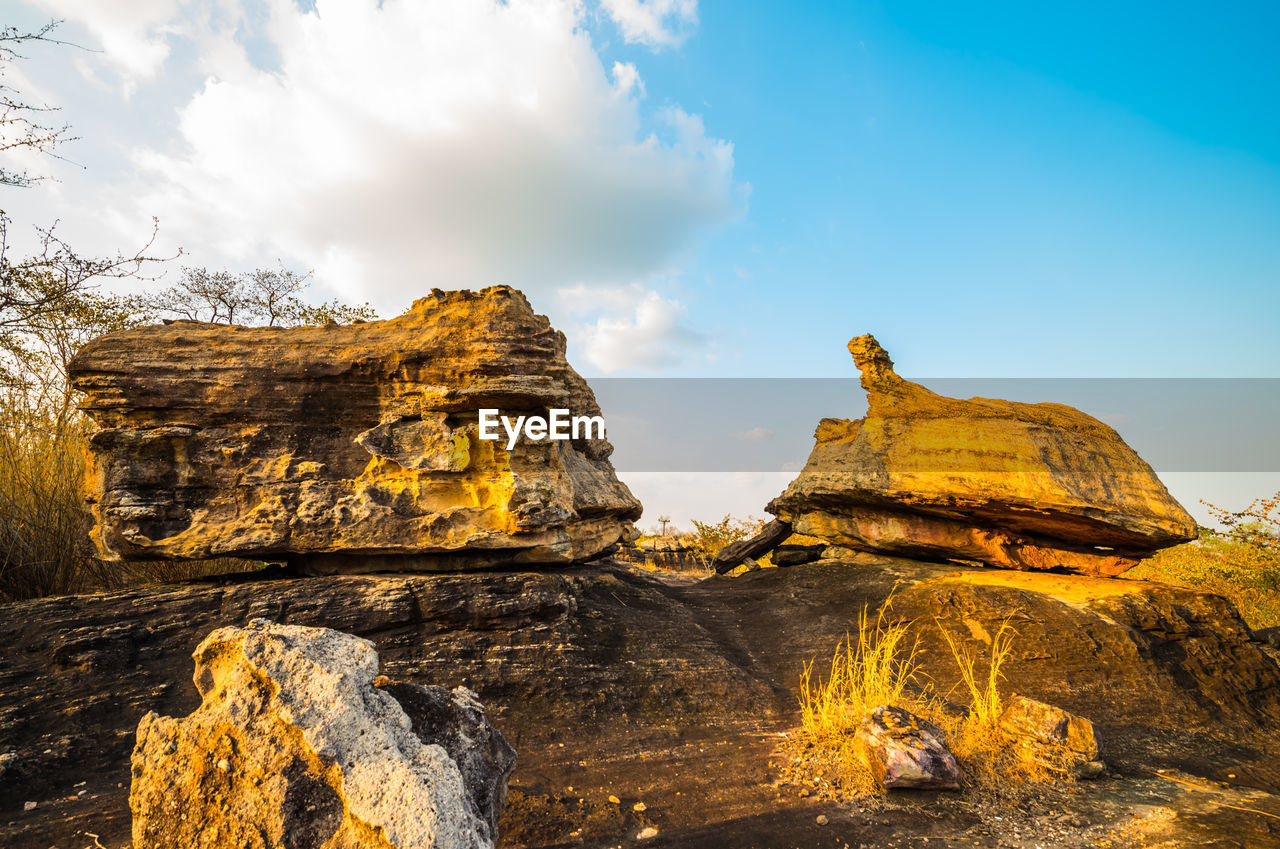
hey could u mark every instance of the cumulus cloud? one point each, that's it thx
(395, 146)
(629, 327)
(756, 434)
(656, 23)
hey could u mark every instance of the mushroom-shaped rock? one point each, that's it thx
(1004, 483)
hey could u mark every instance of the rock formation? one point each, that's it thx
(1052, 737)
(906, 752)
(348, 447)
(294, 745)
(1007, 484)
(617, 681)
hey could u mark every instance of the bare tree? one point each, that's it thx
(22, 123)
(35, 289)
(265, 296)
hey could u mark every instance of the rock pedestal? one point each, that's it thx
(1007, 484)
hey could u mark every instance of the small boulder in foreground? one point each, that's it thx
(1052, 737)
(907, 752)
(296, 745)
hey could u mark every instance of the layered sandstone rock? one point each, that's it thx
(646, 686)
(294, 745)
(1008, 484)
(348, 447)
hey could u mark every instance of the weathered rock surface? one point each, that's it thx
(348, 447)
(907, 752)
(1008, 484)
(1051, 736)
(293, 746)
(646, 685)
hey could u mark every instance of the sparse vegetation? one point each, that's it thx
(1241, 562)
(975, 737)
(710, 537)
(882, 666)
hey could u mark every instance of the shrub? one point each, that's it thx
(709, 537)
(1227, 564)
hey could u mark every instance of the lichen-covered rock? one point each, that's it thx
(294, 745)
(907, 752)
(1008, 484)
(1052, 737)
(348, 447)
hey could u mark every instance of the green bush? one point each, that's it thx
(709, 537)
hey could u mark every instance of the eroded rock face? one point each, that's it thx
(294, 745)
(1008, 484)
(348, 447)
(620, 681)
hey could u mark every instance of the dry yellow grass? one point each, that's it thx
(975, 738)
(882, 666)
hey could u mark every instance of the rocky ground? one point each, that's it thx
(669, 694)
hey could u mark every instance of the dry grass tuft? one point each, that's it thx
(883, 667)
(975, 737)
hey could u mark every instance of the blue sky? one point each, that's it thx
(1004, 189)
(703, 188)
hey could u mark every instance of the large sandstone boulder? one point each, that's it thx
(348, 447)
(293, 745)
(1008, 484)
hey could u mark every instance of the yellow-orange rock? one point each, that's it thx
(348, 447)
(1008, 484)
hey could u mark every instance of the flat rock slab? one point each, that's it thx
(666, 692)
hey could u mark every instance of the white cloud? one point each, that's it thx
(130, 32)
(756, 434)
(398, 146)
(657, 23)
(628, 327)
